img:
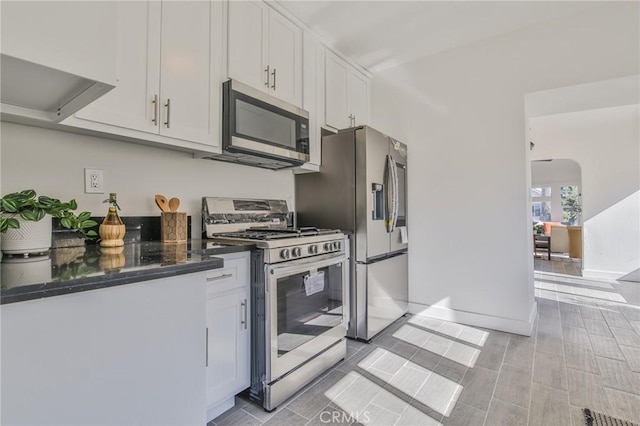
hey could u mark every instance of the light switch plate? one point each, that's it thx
(93, 181)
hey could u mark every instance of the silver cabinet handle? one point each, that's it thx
(352, 119)
(273, 73)
(168, 105)
(266, 71)
(206, 360)
(219, 277)
(243, 322)
(155, 110)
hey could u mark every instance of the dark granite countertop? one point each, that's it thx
(90, 267)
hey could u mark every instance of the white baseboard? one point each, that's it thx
(607, 275)
(509, 325)
(220, 407)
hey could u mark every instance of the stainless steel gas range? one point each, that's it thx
(299, 290)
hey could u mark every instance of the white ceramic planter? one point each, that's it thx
(31, 237)
(19, 271)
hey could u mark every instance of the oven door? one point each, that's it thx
(307, 310)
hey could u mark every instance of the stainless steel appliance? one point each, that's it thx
(361, 188)
(261, 130)
(299, 293)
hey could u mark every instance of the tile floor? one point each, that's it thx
(559, 263)
(585, 352)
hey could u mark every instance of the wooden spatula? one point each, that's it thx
(174, 203)
(161, 201)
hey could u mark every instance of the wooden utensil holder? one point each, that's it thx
(173, 227)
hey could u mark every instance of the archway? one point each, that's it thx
(556, 188)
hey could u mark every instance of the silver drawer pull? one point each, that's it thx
(155, 110)
(243, 322)
(221, 277)
(206, 348)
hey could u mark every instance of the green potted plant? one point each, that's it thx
(25, 221)
(538, 228)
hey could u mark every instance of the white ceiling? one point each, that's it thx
(600, 94)
(383, 34)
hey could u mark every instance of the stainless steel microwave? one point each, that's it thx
(261, 130)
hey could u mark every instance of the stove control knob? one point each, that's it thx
(313, 249)
(296, 252)
(284, 254)
(337, 245)
(328, 246)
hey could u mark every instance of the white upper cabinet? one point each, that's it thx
(185, 78)
(130, 104)
(346, 94)
(336, 75)
(170, 57)
(248, 43)
(285, 58)
(312, 99)
(265, 50)
(358, 98)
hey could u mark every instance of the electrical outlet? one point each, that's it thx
(93, 181)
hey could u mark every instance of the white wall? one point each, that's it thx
(555, 174)
(605, 142)
(53, 163)
(462, 114)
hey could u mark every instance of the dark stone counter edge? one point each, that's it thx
(40, 291)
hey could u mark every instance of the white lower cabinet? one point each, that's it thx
(228, 333)
(123, 355)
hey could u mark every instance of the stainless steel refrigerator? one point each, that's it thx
(361, 188)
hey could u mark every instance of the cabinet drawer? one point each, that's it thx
(234, 274)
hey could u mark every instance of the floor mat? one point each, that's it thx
(593, 418)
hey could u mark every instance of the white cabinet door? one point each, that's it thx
(228, 364)
(285, 58)
(185, 82)
(228, 332)
(131, 103)
(248, 51)
(313, 102)
(122, 355)
(170, 68)
(346, 94)
(265, 50)
(358, 98)
(336, 105)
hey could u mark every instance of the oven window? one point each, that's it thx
(309, 304)
(264, 125)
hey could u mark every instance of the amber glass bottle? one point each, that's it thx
(112, 217)
(112, 229)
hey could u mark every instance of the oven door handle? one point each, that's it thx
(292, 267)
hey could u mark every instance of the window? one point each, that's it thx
(570, 202)
(540, 192)
(541, 204)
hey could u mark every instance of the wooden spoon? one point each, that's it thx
(161, 201)
(174, 203)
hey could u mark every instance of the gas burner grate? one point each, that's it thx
(265, 233)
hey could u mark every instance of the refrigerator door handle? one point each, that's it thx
(392, 191)
(396, 194)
